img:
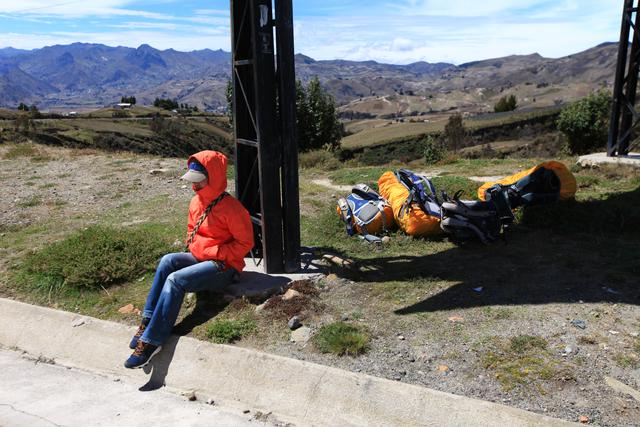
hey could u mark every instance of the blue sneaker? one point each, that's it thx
(138, 334)
(141, 355)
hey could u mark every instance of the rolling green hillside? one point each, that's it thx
(165, 136)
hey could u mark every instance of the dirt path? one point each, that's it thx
(484, 179)
(325, 182)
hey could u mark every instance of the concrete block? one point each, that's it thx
(596, 159)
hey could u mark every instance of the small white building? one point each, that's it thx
(123, 105)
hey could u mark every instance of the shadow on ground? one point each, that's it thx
(562, 253)
(159, 365)
(208, 305)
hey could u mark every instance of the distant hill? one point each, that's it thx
(9, 51)
(93, 75)
(537, 82)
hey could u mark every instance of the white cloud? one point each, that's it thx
(206, 20)
(223, 12)
(490, 8)
(402, 44)
(42, 6)
(74, 9)
(465, 7)
(404, 38)
(147, 25)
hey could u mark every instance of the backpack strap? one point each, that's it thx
(451, 224)
(364, 191)
(347, 216)
(421, 192)
(502, 203)
(369, 237)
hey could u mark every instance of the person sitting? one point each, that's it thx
(220, 234)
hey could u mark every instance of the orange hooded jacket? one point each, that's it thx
(227, 234)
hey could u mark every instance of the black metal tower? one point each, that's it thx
(624, 117)
(264, 117)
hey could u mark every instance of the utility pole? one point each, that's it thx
(624, 117)
(264, 117)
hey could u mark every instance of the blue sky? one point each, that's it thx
(400, 31)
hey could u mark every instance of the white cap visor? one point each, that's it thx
(194, 176)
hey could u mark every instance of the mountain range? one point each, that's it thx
(82, 75)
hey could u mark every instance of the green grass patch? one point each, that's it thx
(394, 132)
(80, 135)
(94, 258)
(407, 132)
(405, 291)
(57, 203)
(30, 202)
(224, 331)
(587, 181)
(453, 184)
(522, 360)
(21, 150)
(341, 339)
(525, 343)
(485, 167)
(498, 313)
(352, 176)
(627, 360)
(318, 159)
(26, 150)
(357, 314)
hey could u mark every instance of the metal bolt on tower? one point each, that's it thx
(624, 117)
(264, 117)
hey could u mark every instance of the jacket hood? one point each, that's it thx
(216, 165)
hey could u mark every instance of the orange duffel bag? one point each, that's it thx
(413, 200)
(547, 182)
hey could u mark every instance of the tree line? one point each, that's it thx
(317, 119)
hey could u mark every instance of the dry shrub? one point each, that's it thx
(304, 305)
(279, 308)
(305, 287)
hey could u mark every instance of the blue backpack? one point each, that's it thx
(365, 212)
(421, 192)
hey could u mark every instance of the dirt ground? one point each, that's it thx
(538, 323)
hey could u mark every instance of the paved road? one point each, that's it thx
(39, 394)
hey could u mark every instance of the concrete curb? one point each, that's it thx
(295, 391)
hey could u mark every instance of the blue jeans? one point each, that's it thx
(177, 274)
